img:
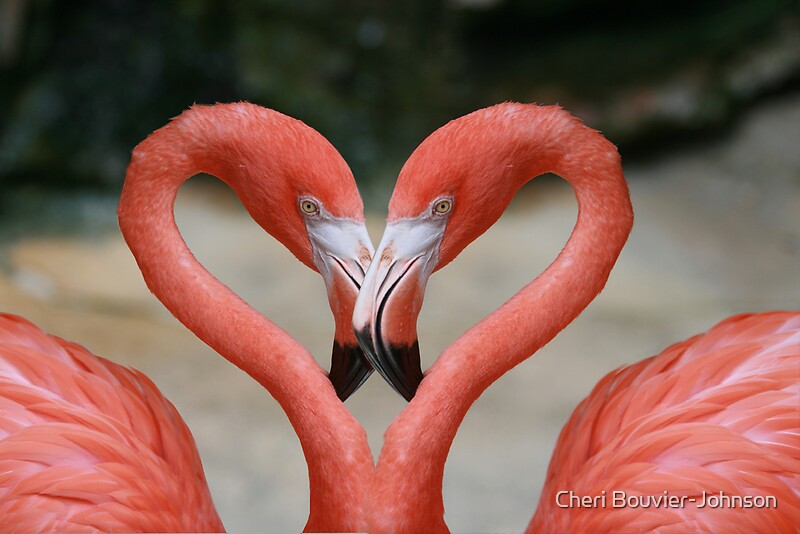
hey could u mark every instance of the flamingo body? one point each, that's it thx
(719, 412)
(88, 444)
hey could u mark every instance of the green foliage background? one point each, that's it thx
(83, 82)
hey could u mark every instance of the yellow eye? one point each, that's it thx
(443, 206)
(309, 206)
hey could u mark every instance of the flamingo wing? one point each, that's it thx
(88, 444)
(719, 412)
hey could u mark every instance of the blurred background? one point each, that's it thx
(702, 98)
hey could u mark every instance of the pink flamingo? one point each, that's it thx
(716, 413)
(88, 444)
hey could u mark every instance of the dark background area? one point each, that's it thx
(83, 82)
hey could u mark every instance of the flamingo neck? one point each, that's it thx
(334, 444)
(419, 439)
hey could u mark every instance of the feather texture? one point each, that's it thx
(717, 414)
(86, 444)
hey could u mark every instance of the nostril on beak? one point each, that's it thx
(364, 256)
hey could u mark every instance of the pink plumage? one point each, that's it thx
(88, 444)
(719, 412)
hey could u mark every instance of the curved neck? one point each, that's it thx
(513, 332)
(334, 444)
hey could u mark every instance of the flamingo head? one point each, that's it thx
(454, 186)
(297, 187)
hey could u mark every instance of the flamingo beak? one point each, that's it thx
(341, 250)
(387, 307)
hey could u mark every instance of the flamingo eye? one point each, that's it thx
(442, 206)
(309, 206)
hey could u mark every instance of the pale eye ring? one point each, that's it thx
(442, 206)
(309, 206)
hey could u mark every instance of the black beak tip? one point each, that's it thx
(349, 369)
(404, 369)
(364, 337)
(399, 365)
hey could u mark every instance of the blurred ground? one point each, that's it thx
(717, 232)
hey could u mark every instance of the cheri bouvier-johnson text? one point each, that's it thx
(620, 499)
